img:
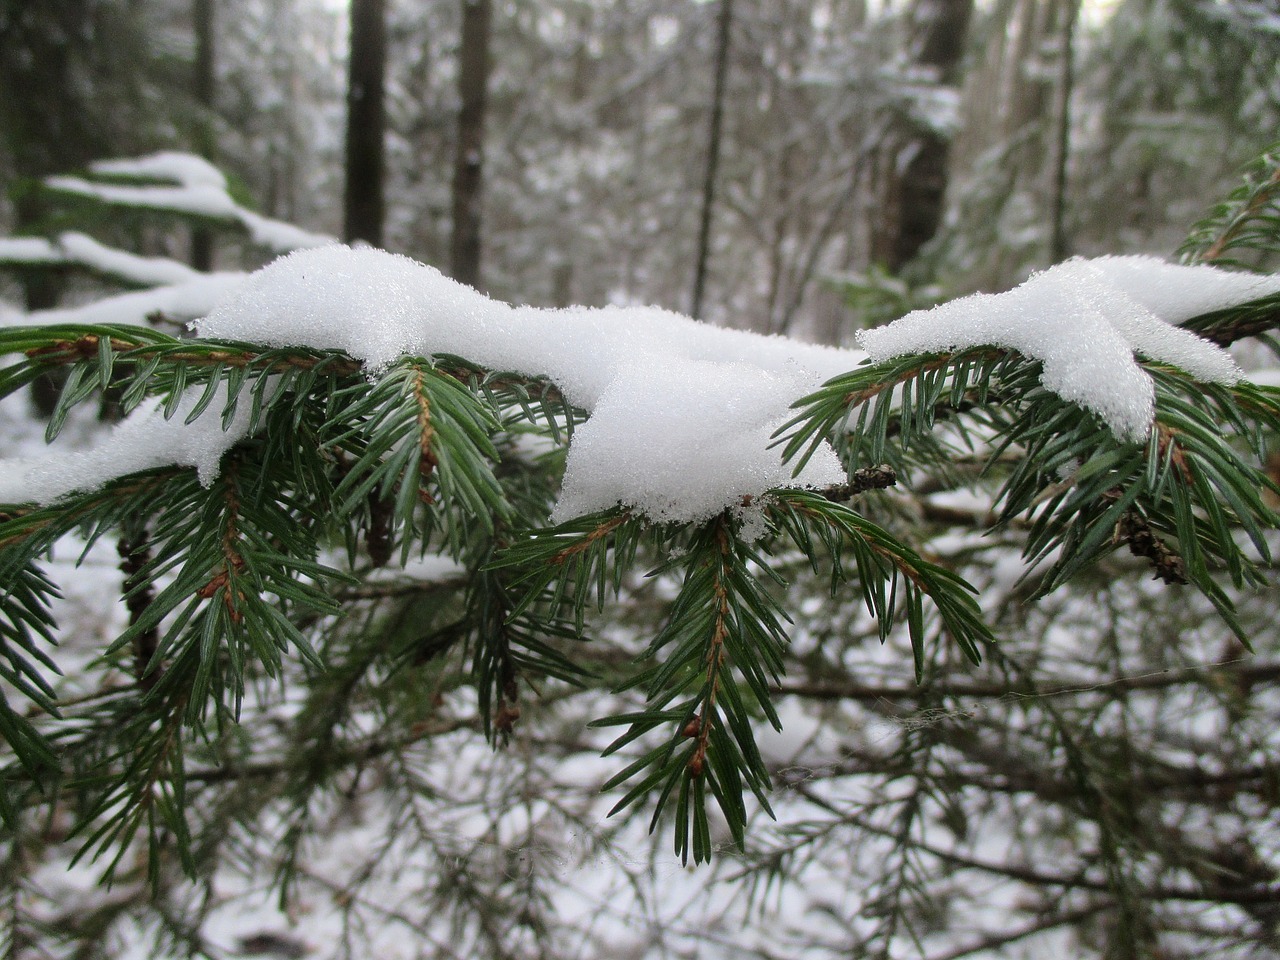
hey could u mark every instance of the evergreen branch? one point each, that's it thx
(722, 626)
(519, 398)
(416, 430)
(900, 399)
(1246, 220)
(568, 563)
(1225, 327)
(1073, 480)
(1237, 672)
(134, 550)
(861, 481)
(883, 564)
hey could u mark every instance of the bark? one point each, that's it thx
(468, 166)
(48, 124)
(724, 23)
(366, 123)
(203, 86)
(1059, 248)
(915, 191)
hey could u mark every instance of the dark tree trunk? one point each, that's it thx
(724, 24)
(366, 123)
(914, 198)
(1059, 245)
(203, 85)
(47, 126)
(468, 164)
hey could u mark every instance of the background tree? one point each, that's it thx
(468, 162)
(366, 123)
(203, 86)
(915, 171)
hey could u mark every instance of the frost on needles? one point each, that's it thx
(682, 415)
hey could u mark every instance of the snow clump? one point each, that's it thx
(1084, 320)
(681, 413)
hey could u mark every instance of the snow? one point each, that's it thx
(143, 441)
(185, 169)
(180, 302)
(1084, 320)
(682, 414)
(198, 188)
(29, 250)
(79, 248)
(144, 271)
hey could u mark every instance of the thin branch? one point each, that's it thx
(1240, 896)
(996, 940)
(1236, 670)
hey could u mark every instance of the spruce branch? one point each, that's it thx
(862, 480)
(1246, 220)
(721, 649)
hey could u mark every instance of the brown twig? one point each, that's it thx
(135, 554)
(860, 481)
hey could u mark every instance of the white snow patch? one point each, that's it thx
(29, 250)
(185, 169)
(79, 248)
(144, 271)
(1084, 320)
(682, 413)
(143, 441)
(180, 302)
(198, 188)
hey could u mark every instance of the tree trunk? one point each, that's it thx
(48, 125)
(468, 165)
(366, 123)
(203, 84)
(916, 191)
(1059, 248)
(724, 23)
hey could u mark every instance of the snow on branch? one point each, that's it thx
(80, 250)
(1084, 320)
(185, 184)
(682, 414)
(176, 302)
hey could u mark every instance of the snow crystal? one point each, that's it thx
(1084, 320)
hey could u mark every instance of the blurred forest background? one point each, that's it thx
(1105, 785)
(758, 163)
